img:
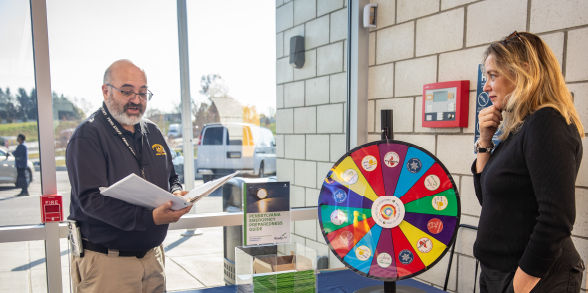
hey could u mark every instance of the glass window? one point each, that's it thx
(18, 115)
(213, 136)
(233, 72)
(81, 53)
(23, 262)
(239, 135)
(233, 59)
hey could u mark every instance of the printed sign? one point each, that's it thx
(266, 213)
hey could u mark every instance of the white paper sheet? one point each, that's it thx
(138, 191)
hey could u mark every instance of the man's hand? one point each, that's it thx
(180, 193)
(523, 282)
(163, 214)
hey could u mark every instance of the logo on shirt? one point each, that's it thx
(159, 150)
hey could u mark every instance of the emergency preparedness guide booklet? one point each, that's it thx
(138, 191)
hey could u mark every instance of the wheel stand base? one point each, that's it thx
(389, 287)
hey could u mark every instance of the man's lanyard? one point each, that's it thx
(124, 140)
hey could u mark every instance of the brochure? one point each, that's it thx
(138, 191)
(266, 212)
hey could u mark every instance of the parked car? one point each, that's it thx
(8, 170)
(178, 161)
(174, 130)
(227, 147)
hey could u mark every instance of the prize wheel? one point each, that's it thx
(389, 210)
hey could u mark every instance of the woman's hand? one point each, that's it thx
(489, 119)
(523, 282)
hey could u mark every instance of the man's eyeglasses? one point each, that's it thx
(130, 93)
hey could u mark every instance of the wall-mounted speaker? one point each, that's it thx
(297, 51)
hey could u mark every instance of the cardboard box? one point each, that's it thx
(284, 267)
(269, 263)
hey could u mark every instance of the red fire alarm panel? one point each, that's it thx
(51, 208)
(445, 104)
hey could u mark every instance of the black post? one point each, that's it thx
(386, 124)
(389, 287)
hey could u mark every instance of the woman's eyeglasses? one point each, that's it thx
(512, 37)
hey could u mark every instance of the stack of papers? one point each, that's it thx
(138, 191)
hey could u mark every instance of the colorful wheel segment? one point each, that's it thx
(389, 210)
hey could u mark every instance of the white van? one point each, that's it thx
(226, 147)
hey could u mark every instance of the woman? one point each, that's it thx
(526, 184)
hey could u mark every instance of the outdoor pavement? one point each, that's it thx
(192, 262)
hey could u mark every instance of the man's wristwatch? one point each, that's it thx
(480, 149)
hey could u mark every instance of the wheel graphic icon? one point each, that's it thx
(389, 210)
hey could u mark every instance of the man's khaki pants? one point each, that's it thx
(98, 272)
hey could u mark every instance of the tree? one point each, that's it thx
(211, 85)
(250, 115)
(204, 113)
(27, 105)
(7, 109)
(23, 106)
(31, 109)
(66, 110)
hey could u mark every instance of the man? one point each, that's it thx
(121, 241)
(20, 157)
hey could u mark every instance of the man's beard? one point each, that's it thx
(119, 113)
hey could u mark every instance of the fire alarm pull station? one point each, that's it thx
(51, 208)
(445, 104)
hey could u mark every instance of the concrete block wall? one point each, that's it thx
(416, 42)
(310, 104)
(419, 42)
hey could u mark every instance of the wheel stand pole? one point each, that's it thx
(386, 124)
(389, 287)
(387, 133)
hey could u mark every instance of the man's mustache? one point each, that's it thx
(131, 104)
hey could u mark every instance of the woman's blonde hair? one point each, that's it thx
(529, 63)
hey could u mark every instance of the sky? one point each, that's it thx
(232, 38)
